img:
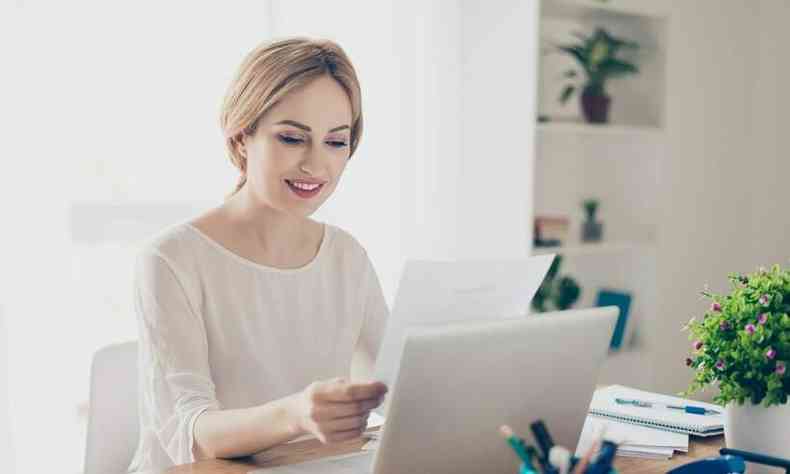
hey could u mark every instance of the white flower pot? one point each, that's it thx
(759, 429)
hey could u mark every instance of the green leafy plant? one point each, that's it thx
(597, 55)
(590, 207)
(556, 293)
(742, 343)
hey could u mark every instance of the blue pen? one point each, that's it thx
(687, 408)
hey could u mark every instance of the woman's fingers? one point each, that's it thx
(343, 436)
(341, 391)
(331, 411)
(344, 424)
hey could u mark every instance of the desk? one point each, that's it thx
(309, 450)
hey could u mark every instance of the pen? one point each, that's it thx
(687, 408)
(518, 446)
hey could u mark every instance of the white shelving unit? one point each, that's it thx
(619, 163)
(585, 129)
(595, 249)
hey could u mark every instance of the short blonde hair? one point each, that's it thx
(271, 71)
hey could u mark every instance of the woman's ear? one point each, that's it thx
(239, 142)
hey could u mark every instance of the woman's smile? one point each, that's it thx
(305, 189)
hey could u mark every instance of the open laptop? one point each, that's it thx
(457, 384)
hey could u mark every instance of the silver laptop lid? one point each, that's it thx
(459, 383)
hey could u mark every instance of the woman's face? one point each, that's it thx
(300, 148)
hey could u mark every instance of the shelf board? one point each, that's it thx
(580, 128)
(595, 9)
(604, 248)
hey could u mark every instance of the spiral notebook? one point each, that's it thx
(603, 404)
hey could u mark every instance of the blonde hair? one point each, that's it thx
(270, 72)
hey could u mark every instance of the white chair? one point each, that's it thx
(7, 455)
(113, 427)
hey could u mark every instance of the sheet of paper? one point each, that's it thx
(439, 293)
(374, 420)
(632, 440)
(356, 463)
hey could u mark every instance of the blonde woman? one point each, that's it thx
(251, 315)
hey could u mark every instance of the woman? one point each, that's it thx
(251, 315)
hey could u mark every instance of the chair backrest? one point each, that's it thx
(7, 459)
(113, 426)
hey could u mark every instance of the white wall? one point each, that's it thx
(725, 174)
(767, 161)
(499, 48)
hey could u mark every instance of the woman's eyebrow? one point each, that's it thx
(306, 128)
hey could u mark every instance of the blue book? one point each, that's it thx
(622, 301)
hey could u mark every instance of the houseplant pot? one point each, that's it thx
(595, 107)
(742, 345)
(759, 429)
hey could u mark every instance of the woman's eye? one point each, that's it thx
(290, 140)
(337, 143)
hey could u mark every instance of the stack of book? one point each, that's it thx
(646, 424)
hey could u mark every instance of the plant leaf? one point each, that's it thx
(578, 53)
(566, 93)
(615, 67)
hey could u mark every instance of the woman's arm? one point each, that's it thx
(244, 431)
(333, 411)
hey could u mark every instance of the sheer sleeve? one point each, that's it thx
(175, 378)
(375, 313)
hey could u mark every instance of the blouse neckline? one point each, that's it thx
(259, 266)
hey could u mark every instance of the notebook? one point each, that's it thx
(632, 440)
(603, 404)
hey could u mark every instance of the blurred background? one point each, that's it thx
(110, 118)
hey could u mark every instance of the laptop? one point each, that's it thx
(459, 383)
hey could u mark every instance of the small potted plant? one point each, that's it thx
(742, 345)
(592, 230)
(556, 294)
(597, 55)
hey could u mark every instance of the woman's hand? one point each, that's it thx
(336, 410)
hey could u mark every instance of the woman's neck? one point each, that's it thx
(264, 234)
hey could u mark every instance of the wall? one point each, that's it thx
(723, 201)
(499, 52)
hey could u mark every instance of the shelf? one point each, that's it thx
(605, 248)
(584, 9)
(580, 128)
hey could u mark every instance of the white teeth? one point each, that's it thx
(305, 186)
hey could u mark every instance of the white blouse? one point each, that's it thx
(218, 331)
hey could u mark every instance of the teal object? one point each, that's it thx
(622, 301)
(524, 469)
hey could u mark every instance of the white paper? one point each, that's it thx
(439, 293)
(374, 420)
(632, 440)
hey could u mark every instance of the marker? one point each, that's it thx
(603, 463)
(545, 442)
(521, 451)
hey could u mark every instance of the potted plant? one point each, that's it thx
(556, 294)
(742, 345)
(597, 55)
(592, 230)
